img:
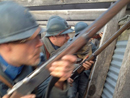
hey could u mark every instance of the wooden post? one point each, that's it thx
(104, 59)
(122, 89)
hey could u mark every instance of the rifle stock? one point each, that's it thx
(25, 86)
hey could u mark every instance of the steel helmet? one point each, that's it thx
(79, 27)
(57, 26)
(16, 22)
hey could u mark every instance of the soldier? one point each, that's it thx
(20, 51)
(56, 36)
(79, 85)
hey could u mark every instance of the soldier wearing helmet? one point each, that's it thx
(20, 47)
(79, 27)
(56, 35)
(79, 85)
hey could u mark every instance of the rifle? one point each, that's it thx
(77, 71)
(25, 86)
(80, 68)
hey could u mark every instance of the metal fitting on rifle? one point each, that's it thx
(27, 79)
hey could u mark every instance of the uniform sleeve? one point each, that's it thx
(55, 93)
(58, 93)
(41, 90)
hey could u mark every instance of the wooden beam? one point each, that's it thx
(122, 89)
(96, 5)
(69, 15)
(103, 60)
(56, 2)
(71, 23)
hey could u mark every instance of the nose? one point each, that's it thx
(67, 36)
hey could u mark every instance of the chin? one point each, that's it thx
(36, 62)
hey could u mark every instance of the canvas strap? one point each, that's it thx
(5, 81)
(47, 53)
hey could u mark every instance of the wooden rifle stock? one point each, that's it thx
(80, 69)
(36, 77)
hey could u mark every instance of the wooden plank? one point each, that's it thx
(75, 15)
(122, 89)
(71, 23)
(103, 60)
(56, 2)
(96, 5)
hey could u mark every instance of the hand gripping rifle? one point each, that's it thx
(25, 86)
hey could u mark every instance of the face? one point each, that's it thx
(27, 53)
(61, 39)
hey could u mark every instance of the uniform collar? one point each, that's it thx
(10, 70)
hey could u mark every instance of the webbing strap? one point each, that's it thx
(5, 81)
(47, 53)
(50, 86)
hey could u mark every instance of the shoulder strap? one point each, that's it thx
(5, 79)
(47, 53)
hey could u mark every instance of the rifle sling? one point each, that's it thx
(47, 53)
(50, 86)
(5, 81)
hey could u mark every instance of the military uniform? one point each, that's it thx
(40, 91)
(79, 85)
(48, 49)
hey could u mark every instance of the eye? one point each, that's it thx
(39, 35)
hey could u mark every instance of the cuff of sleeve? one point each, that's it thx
(57, 93)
